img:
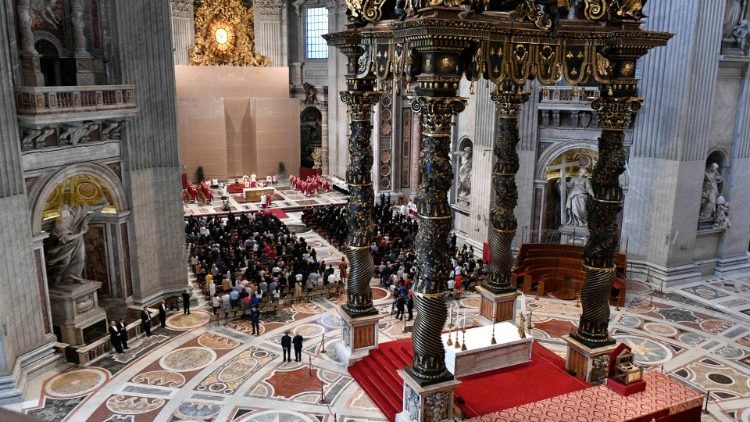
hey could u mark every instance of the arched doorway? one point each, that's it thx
(311, 137)
(57, 71)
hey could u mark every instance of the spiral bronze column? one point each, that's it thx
(615, 114)
(360, 99)
(508, 98)
(435, 222)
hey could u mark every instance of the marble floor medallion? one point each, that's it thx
(187, 322)
(217, 342)
(645, 350)
(76, 383)
(131, 405)
(187, 359)
(161, 378)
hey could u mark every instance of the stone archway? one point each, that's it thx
(43, 189)
(557, 171)
(86, 258)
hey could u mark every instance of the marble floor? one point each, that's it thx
(284, 198)
(200, 370)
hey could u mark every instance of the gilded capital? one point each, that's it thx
(615, 113)
(508, 99)
(438, 112)
(360, 104)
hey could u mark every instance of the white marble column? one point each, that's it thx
(22, 328)
(338, 128)
(528, 128)
(268, 30)
(151, 170)
(671, 140)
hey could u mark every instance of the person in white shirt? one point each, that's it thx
(331, 279)
(215, 303)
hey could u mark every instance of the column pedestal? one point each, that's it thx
(500, 306)
(76, 312)
(591, 365)
(85, 70)
(359, 336)
(430, 403)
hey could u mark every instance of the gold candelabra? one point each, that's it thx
(493, 341)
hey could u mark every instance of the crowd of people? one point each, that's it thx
(243, 261)
(310, 185)
(393, 249)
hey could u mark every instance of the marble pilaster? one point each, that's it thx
(268, 30)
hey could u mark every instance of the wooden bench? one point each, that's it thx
(544, 268)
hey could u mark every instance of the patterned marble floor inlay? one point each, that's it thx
(197, 370)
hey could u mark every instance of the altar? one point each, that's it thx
(254, 194)
(483, 356)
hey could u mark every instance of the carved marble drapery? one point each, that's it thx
(508, 98)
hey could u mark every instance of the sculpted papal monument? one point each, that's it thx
(66, 258)
(579, 190)
(711, 181)
(464, 175)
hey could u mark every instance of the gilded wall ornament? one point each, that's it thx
(224, 35)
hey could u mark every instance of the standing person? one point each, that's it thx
(123, 331)
(343, 268)
(163, 314)
(255, 320)
(297, 340)
(146, 321)
(410, 305)
(186, 302)
(297, 292)
(114, 336)
(286, 345)
(400, 307)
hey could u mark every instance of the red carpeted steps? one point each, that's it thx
(482, 394)
(377, 375)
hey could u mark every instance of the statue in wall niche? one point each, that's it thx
(711, 182)
(734, 13)
(585, 119)
(463, 191)
(310, 94)
(66, 258)
(722, 214)
(579, 190)
(740, 33)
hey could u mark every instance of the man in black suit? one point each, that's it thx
(186, 302)
(163, 314)
(123, 329)
(146, 321)
(255, 320)
(297, 340)
(286, 345)
(114, 336)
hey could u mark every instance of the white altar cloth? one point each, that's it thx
(482, 356)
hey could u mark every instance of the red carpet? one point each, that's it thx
(278, 212)
(542, 378)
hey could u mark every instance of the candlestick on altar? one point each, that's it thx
(493, 332)
(463, 338)
(450, 327)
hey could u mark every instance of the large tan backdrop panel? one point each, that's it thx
(236, 120)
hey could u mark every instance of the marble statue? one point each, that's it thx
(722, 214)
(46, 10)
(585, 120)
(464, 175)
(67, 256)
(740, 33)
(711, 181)
(579, 190)
(734, 13)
